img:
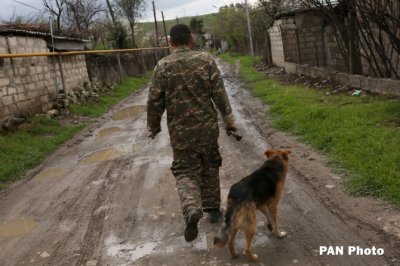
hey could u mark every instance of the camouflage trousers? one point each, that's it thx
(197, 177)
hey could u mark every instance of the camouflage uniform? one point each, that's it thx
(186, 84)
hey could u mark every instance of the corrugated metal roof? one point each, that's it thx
(21, 32)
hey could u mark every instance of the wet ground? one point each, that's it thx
(107, 197)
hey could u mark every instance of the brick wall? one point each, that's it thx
(28, 85)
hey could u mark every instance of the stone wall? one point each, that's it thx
(105, 68)
(28, 85)
(376, 85)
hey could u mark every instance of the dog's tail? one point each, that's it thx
(223, 235)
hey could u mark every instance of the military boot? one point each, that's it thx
(191, 230)
(214, 216)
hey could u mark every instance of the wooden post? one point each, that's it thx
(165, 28)
(62, 75)
(119, 67)
(155, 23)
(143, 62)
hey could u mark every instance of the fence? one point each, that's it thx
(32, 78)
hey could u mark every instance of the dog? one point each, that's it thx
(262, 190)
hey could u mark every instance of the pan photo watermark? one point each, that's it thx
(350, 250)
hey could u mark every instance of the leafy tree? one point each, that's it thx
(230, 25)
(196, 25)
(117, 36)
(132, 11)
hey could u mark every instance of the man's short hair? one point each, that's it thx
(180, 34)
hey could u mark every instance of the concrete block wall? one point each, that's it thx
(28, 85)
(75, 71)
(376, 85)
(276, 44)
(333, 56)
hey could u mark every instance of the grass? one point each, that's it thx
(122, 91)
(24, 149)
(361, 135)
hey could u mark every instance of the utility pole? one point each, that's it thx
(177, 20)
(155, 23)
(215, 45)
(249, 31)
(165, 28)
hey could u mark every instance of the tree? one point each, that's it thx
(117, 36)
(56, 8)
(132, 11)
(196, 27)
(111, 11)
(230, 25)
(82, 13)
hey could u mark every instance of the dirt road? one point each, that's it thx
(107, 197)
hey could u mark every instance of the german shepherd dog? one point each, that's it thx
(262, 190)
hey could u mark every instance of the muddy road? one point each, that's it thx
(107, 197)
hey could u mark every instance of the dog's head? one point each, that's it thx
(279, 153)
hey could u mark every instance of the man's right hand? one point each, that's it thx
(232, 130)
(152, 135)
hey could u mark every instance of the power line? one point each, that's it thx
(22, 3)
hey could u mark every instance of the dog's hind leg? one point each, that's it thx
(273, 210)
(250, 231)
(231, 242)
(264, 210)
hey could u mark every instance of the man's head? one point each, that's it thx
(180, 35)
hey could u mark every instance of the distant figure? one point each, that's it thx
(187, 84)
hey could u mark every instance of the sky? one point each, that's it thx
(171, 8)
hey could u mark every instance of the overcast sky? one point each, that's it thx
(171, 8)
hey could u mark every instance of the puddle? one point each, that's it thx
(142, 251)
(128, 251)
(107, 131)
(17, 227)
(128, 112)
(102, 155)
(50, 173)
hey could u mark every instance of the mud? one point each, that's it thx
(108, 131)
(129, 112)
(102, 155)
(51, 173)
(17, 227)
(116, 203)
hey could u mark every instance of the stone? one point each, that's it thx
(45, 255)
(52, 113)
(10, 122)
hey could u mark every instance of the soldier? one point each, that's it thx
(187, 84)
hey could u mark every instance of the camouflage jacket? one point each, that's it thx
(186, 84)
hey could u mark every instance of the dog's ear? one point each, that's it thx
(268, 153)
(285, 154)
